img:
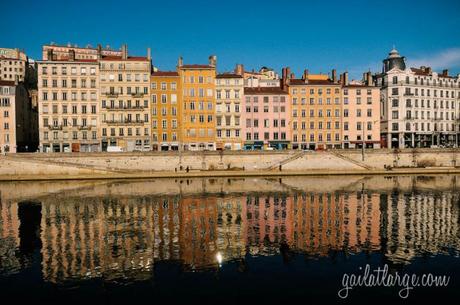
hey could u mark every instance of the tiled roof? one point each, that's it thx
(6, 83)
(300, 82)
(228, 75)
(76, 60)
(359, 86)
(130, 58)
(264, 90)
(165, 73)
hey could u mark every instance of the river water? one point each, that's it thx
(226, 241)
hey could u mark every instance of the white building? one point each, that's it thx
(419, 107)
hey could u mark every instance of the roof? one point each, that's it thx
(228, 75)
(197, 67)
(77, 60)
(7, 83)
(300, 82)
(165, 73)
(130, 58)
(418, 71)
(359, 86)
(263, 90)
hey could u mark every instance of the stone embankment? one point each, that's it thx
(39, 166)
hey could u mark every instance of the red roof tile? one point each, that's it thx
(300, 82)
(165, 73)
(228, 75)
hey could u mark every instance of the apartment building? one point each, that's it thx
(361, 113)
(166, 100)
(125, 109)
(316, 110)
(68, 93)
(266, 118)
(13, 65)
(229, 103)
(17, 118)
(199, 104)
(419, 107)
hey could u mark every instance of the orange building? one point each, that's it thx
(316, 110)
(198, 111)
(165, 87)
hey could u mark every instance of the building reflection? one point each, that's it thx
(118, 236)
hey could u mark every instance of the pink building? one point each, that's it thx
(265, 118)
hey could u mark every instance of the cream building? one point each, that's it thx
(361, 113)
(229, 104)
(68, 103)
(125, 115)
(16, 118)
(419, 107)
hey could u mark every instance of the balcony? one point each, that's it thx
(137, 94)
(87, 127)
(111, 94)
(55, 127)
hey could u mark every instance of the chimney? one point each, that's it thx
(305, 74)
(445, 72)
(149, 54)
(49, 55)
(239, 69)
(345, 78)
(369, 79)
(334, 75)
(292, 76)
(71, 55)
(124, 52)
(365, 78)
(180, 61)
(99, 51)
(284, 80)
(212, 60)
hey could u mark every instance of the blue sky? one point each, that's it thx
(318, 35)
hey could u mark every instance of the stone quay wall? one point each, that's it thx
(238, 163)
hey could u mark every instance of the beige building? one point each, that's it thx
(68, 103)
(17, 118)
(361, 114)
(13, 63)
(229, 104)
(125, 114)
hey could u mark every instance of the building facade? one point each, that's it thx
(229, 102)
(419, 107)
(125, 108)
(266, 118)
(68, 95)
(361, 114)
(13, 65)
(316, 110)
(198, 112)
(17, 118)
(166, 100)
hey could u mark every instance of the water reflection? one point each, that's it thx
(120, 230)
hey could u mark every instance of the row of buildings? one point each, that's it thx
(101, 99)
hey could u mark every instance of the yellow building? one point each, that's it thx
(198, 106)
(165, 87)
(316, 110)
